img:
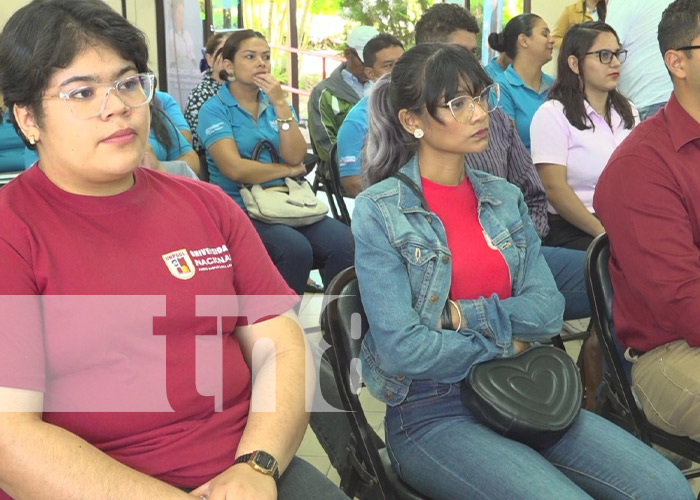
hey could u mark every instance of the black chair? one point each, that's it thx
(344, 325)
(328, 179)
(616, 401)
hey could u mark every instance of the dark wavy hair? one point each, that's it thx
(47, 35)
(443, 19)
(424, 77)
(570, 88)
(507, 40)
(233, 43)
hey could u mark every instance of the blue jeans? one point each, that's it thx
(567, 267)
(440, 449)
(327, 244)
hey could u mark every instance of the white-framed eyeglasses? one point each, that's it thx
(462, 107)
(88, 101)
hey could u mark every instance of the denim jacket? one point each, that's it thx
(404, 269)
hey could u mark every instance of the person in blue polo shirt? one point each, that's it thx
(11, 145)
(250, 108)
(527, 40)
(379, 56)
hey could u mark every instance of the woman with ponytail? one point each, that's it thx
(576, 131)
(579, 12)
(450, 274)
(527, 41)
(251, 107)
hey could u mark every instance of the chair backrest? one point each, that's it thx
(600, 294)
(328, 178)
(344, 322)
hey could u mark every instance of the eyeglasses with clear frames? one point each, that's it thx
(462, 107)
(87, 101)
(606, 56)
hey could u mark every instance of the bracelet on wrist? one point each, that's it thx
(459, 314)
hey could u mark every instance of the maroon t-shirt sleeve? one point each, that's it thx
(21, 337)
(262, 291)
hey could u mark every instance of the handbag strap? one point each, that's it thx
(262, 145)
(413, 187)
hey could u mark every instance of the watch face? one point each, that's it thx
(285, 126)
(262, 459)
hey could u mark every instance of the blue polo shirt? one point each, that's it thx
(520, 101)
(172, 109)
(493, 69)
(179, 145)
(11, 147)
(221, 117)
(351, 137)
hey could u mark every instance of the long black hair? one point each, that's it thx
(570, 88)
(424, 77)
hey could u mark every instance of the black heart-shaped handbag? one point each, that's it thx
(532, 397)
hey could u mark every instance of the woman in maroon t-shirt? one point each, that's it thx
(146, 371)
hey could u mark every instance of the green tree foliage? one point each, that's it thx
(397, 17)
(328, 7)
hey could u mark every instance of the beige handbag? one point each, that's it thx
(293, 204)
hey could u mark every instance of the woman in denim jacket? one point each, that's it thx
(454, 277)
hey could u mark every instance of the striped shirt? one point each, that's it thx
(507, 157)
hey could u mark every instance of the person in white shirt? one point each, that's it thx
(645, 79)
(577, 129)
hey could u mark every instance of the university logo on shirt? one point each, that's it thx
(179, 264)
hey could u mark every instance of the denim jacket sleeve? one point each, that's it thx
(535, 309)
(405, 345)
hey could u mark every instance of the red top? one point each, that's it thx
(132, 286)
(648, 199)
(478, 268)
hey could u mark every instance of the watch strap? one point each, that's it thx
(248, 458)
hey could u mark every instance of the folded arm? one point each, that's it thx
(535, 309)
(396, 327)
